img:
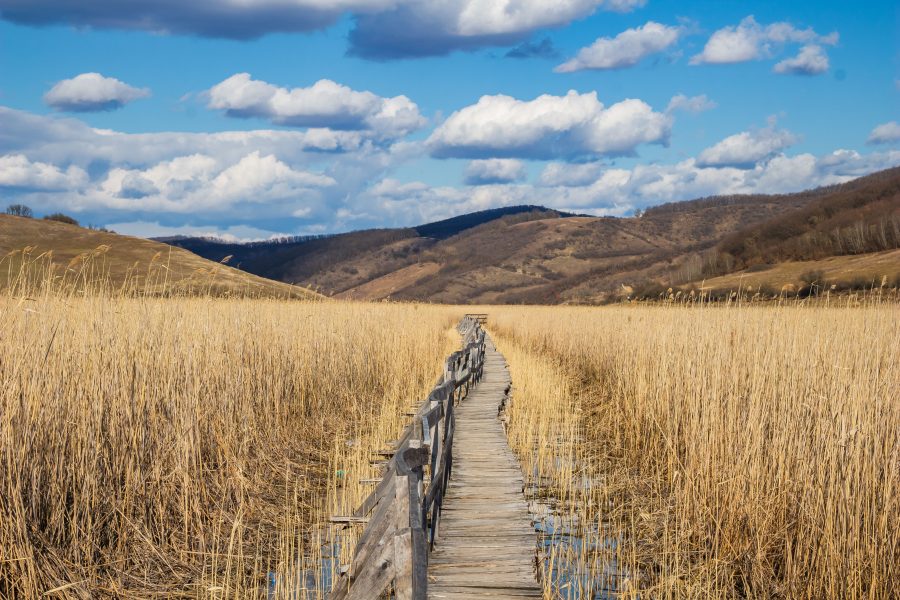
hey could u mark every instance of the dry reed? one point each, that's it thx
(740, 452)
(185, 447)
(195, 446)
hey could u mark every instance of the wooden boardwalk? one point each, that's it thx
(486, 544)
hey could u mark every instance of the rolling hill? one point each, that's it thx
(535, 255)
(334, 263)
(144, 265)
(846, 272)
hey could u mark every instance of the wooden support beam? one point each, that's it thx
(350, 519)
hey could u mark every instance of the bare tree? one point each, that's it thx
(19, 210)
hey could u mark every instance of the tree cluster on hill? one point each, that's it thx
(61, 218)
(854, 221)
(19, 210)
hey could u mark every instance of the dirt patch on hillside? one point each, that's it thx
(386, 285)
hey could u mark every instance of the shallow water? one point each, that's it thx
(306, 583)
(576, 557)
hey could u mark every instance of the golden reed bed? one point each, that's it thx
(733, 452)
(186, 447)
(195, 447)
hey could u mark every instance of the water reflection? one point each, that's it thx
(578, 561)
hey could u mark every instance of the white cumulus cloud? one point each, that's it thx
(382, 28)
(256, 178)
(417, 28)
(886, 133)
(494, 170)
(693, 104)
(616, 191)
(199, 182)
(231, 234)
(745, 149)
(67, 140)
(259, 182)
(625, 50)
(325, 104)
(90, 92)
(548, 127)
(571, 174)
(16, 170)
(811, 60)
(750, 40)
(237, 19)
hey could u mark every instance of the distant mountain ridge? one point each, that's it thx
(455, 225)
(300, 257)
(533, 254)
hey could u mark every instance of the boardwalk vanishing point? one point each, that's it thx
(486, 544)
(448, 520)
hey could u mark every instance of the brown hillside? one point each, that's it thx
(576, 259)
(859, 271)
(144, 265)
(850, 220)
(534, 255)
(585, 259)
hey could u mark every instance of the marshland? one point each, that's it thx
(196, 446)
(724, 452)
(449, 300)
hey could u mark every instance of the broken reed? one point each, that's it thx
(726, 452)
(189, 446)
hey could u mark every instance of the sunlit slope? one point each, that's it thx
(849, 231)
(859, 271)
(121, 260)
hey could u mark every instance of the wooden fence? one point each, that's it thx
(405, 506)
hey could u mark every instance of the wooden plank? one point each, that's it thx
(410, 551)
(348, 519)
(403, 588)
(374, 579)
(486, 544)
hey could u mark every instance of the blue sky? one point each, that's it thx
(252, 119)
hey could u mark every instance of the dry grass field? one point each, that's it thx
(730, 452)
(863, 270)
(195, 446)
(185, 447)
(67, 256)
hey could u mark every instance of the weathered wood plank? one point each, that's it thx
(486, 544)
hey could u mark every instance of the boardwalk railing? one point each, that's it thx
(405, 506)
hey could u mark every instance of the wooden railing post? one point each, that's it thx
(448, 370)
(410, 551)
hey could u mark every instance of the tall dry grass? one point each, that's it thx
(126, 271)
(742, 452)
(185, 447)
(195, 446)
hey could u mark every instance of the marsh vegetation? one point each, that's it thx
(195, 446)
(187, 446)
(709, 451)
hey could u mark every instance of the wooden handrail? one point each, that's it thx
(393, 550)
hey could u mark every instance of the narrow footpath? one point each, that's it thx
(486, 543)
